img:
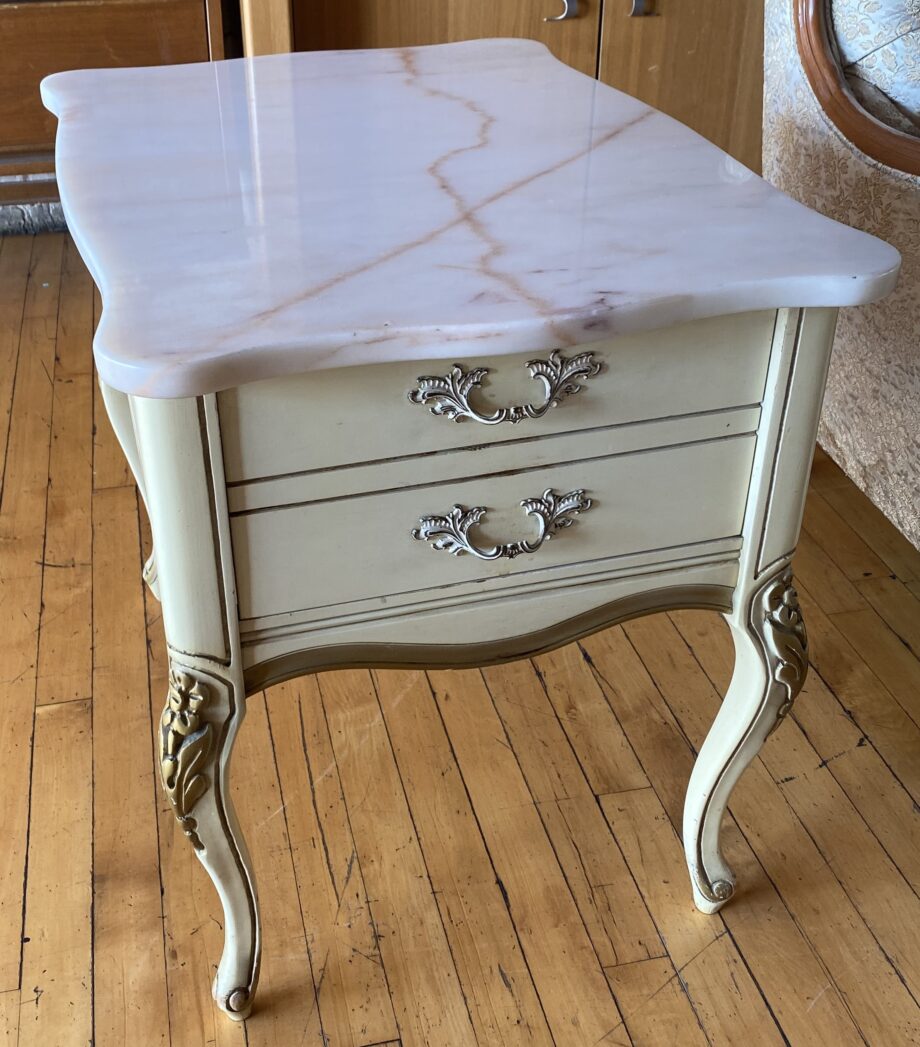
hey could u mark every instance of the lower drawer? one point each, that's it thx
(359, 548)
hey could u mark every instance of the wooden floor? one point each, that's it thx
(448, 858)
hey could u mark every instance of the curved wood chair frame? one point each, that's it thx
(888, 146)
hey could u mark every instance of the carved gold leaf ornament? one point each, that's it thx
(185, 746)
(776, 619)
(785, 639)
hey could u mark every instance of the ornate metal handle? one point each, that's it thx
(451, 532)
(450, 395)
(570, 10)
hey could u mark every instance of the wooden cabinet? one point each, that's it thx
(38, 38)
(700, 61)
(322, 24)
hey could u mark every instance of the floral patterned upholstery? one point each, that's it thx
(879, 47)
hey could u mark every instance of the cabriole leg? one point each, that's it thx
(770, 664)
(196, 732)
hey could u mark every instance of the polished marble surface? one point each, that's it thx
(259, 217)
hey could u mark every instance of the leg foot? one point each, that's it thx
(203, 711)
(237, 1005)
(770, 665)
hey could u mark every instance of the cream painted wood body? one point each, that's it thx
(282, 514)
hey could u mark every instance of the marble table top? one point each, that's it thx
(258, 217)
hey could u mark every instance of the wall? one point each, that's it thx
(871, 419)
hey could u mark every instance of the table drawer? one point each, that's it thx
(330, 553)
(326, 419)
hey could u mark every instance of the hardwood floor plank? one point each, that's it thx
(847, 549)
(420, 970)
(872, 881)
(723, 994)
(349, 984)
(898, 608)
(493, 972)
(825, 472)
(9, 1017)
(547, 761)
(885, 654)
(809, 779)
(15, 253)
(875, 529)
(879, 617)
(110, 468)
(23, 504)
(848, 754)
(65, 656)
(603, 752)
(863, 696)
(608, 900)
(130, 990)
(286, 1004)
(815, 570)
(809, 1006)
(655, 1006)
(574, 992)
(888, 1011)
(613, 911)
(58, 932)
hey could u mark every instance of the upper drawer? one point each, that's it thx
(330, 418)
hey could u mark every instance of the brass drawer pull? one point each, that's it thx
(451, 532)
(450, 395)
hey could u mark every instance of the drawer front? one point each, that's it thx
(326, 419)
(331, 553)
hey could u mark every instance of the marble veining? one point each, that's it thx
(258, 217)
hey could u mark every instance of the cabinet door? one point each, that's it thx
(341, 24)
(40, 38)
(700, 61)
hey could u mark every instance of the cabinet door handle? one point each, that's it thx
(450, 395)
(640, 8)
(451, 533)
(569, 10)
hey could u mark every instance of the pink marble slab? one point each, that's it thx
(260, 217)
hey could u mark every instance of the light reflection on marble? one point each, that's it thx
(259, 217)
